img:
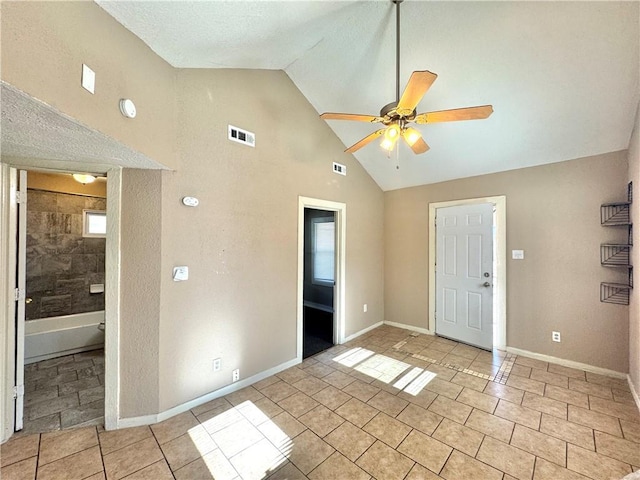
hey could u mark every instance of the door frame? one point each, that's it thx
(8, 264)
(499, 281)
(340, 211)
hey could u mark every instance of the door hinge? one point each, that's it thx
(18, 391)
(18, 196)
(20, 294)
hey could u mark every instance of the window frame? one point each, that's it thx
(315, 280)
(85, 223)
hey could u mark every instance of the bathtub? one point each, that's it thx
(57, 336)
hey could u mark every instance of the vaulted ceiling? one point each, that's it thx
(563, 77)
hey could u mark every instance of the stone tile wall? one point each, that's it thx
(61, 263)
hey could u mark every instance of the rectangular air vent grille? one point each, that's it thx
(242, 136)
(339, 168)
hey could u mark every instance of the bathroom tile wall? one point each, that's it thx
(61, 263)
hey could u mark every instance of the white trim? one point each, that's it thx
(362, 332)
(340, 210)
(112, 300)
(8, 209)
(567, 363)
(409, 327)
(634, 392)
(499, 282)
(234, 387)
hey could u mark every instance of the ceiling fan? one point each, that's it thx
(397, 116)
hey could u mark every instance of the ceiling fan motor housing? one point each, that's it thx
(390, 114)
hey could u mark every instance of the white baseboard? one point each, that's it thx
(567, 363)
(634, 392)
(151, 419)
(362, 332)
(409, 327)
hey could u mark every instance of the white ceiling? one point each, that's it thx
(563, 77)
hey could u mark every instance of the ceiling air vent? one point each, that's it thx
(242, 136)
(339, 168)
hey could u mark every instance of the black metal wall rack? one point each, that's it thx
(617, 255)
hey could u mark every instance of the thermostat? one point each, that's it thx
(190, 201)
(127, 108)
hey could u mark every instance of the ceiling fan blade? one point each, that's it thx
(456, 114)
(415, 141)
(365, 141)
(418, 85)
(350, 116)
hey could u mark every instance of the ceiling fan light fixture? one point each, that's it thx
(388, 144)
(392, 132)
(411, 135)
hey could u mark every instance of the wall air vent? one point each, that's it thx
(242, 136)
(339, 168)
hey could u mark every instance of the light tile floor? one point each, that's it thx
(389, 405)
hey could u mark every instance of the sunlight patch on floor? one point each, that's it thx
(386, 369)
(353, 357)
(382, 367)
(241, 442)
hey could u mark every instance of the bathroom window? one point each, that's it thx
(94, 223)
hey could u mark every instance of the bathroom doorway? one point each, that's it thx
(62, 346)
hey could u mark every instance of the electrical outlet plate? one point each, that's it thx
(217, 364)
(555, 336)
(236, 375)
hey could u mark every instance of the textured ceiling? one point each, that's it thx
(562, 76)
(34, 130)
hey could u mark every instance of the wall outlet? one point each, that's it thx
(236, 375)
(217, 364)
(364, 308)
(555, 336)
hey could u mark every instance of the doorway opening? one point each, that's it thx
(60, 307)
(321, 270)
(497, 270)
(319, 281)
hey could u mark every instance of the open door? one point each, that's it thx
(21, 265)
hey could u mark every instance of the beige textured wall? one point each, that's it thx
(140, 248)
(44, 45)
(553, 214)
(57, 182)
(634, 305)
(240, 243)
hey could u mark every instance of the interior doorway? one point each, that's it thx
(60, 311)
(321, 273)
(319, 281)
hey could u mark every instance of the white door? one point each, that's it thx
(464, 274)
(21, 264)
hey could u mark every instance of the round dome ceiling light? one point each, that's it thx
(83, 178)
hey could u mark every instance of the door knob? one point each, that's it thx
(486, 284)
(28, 300)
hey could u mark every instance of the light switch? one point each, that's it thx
(180, 274)
(517, 254)
(88, 79)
